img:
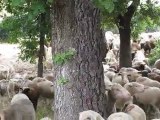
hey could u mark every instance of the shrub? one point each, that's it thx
(155, 53)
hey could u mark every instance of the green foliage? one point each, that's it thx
(155, 53)
(44, 109)
(62, 81)
(145, 17)
(25, 23)
(61, 58)
(28, 49)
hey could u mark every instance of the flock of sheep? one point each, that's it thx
(18, 82)
(133, 91)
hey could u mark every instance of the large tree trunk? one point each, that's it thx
(41, 43)
(77, 25)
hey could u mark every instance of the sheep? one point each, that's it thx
(14, 85)
(157, 64)
(154, 76)
(4, 72)
(20, 108)
(128, 70)
(120, 78)
(3, 87)
(135, 111)
(120, 116)
(132, 112)
(12, 88)
(49, 77)
(110, 57)
(109, 74)
(134, 47)
(147, 96)
(139, 55)
(148, 82)
(46, 89)
(90, 115)
(119, 95)
(46, 118)
(39, 87)
(133, 76)
(134, 87)
(155, 70)
(38, 79)
(105, 67)
(108, 83)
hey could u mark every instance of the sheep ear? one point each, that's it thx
(130, 85)
(139, 72)
(20, 90)
(26, 90)
(119, 73)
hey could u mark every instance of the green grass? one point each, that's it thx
(44, 109)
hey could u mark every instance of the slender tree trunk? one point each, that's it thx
(77, 25)
(125, 48)
(41, 43)
(125, 35)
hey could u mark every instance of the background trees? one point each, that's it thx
(29, 25)
(130, 16)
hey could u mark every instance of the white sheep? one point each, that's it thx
(135, 111)
(122, 79)
(119, 95)
(108, 83)
(157, 64)
(110, 57)
(120, 116)
(148, 82)
(145, 95)
(91, 115)
(20, 108)
(134, 87)
(109, 74)
(46, 118)
(132, 112)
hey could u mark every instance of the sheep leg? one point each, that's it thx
(8, 93)
(157, 111)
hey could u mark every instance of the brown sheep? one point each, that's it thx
(37, 88)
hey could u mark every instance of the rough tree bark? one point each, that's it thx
(77, 26)
(41, 43)
(124, 25)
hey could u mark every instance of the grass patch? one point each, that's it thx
(44, 109)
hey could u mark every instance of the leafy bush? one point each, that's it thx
(155, 53)
(61, 58)
(28, 49)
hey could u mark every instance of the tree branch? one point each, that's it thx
(131, 9)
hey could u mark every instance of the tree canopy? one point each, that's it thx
(24, 23)
(145, 15)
